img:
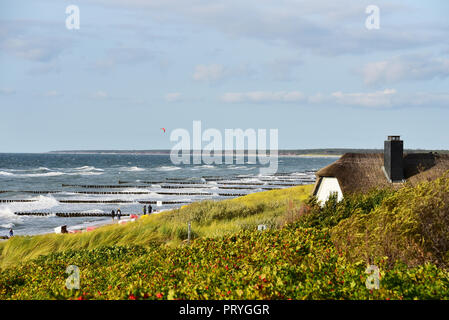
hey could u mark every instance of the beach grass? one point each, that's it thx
(208, 219)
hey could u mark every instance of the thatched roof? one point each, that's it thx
(360, 172)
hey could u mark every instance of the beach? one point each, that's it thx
(93, 185)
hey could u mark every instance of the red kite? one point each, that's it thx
(163, 129)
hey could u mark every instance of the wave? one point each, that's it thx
(41, 203)
(7, 225)
(132, 169)
(93, 211)
(25, 170)
(168, 168)
(31, 175)
(207, 166)
(136, 190)
(233, 167)
(88, 168)
(86, 173)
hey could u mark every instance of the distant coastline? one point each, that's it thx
(332, 152)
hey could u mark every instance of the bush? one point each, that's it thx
(411, 226)
(334, 211)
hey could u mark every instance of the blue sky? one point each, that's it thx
(310, 69)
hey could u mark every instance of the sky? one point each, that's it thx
(311, 69)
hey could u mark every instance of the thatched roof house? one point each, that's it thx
(359, 172)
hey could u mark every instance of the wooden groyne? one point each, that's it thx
(98, 186)
(172, 182)
(241, 183)
(185, 193)
(67, 214)
(118, 201)
(14, 200)
(30, 191)
(187, 187)
(165, 202)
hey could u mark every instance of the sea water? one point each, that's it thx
(49, 172)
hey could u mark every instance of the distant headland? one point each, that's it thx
(282, 152)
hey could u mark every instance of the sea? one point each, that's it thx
(37, 190)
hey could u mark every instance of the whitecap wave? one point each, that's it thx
(168, 168)
(207, 166)
(233, 167)
(93, 211)
(87, 168)
(86, 173)
(132, 169)
(31, 175)
(40, 203)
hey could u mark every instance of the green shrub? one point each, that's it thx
(411, 226)
(334, 211)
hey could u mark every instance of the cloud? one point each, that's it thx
(45, 68)
(262, 97)
(7, 91)
(173, 97)
(30, 40)
(283, 69)
(426, 99)
(51, 93)
(387, 98)
(373, 99)
(209, 73)
(320, 27)
(123, 56)
(100, 94)
(405, 68)
(42, 50)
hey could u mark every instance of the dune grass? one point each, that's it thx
(208, 219)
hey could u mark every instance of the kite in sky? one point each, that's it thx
(163, 129)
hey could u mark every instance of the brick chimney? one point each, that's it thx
(394, 158)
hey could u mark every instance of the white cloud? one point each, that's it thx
(51, 93)
(31, 47)
(321, 26)
(209, 73)
(387, 98)
(45, 68)
(173, 97)
(7, 91)
(100, 94)
(283, 69)
(262, 96)
(405, 68)
(426, 99)
(123, 56)
(371, 99)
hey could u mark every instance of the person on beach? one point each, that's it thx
(11, 233)
(144, 210)
(119, 214)
(113, 215)
(150, 209)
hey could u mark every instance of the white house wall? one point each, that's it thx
(327, 186)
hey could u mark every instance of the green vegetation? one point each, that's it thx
(309, 252)
(411, 226)
(209, 219)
